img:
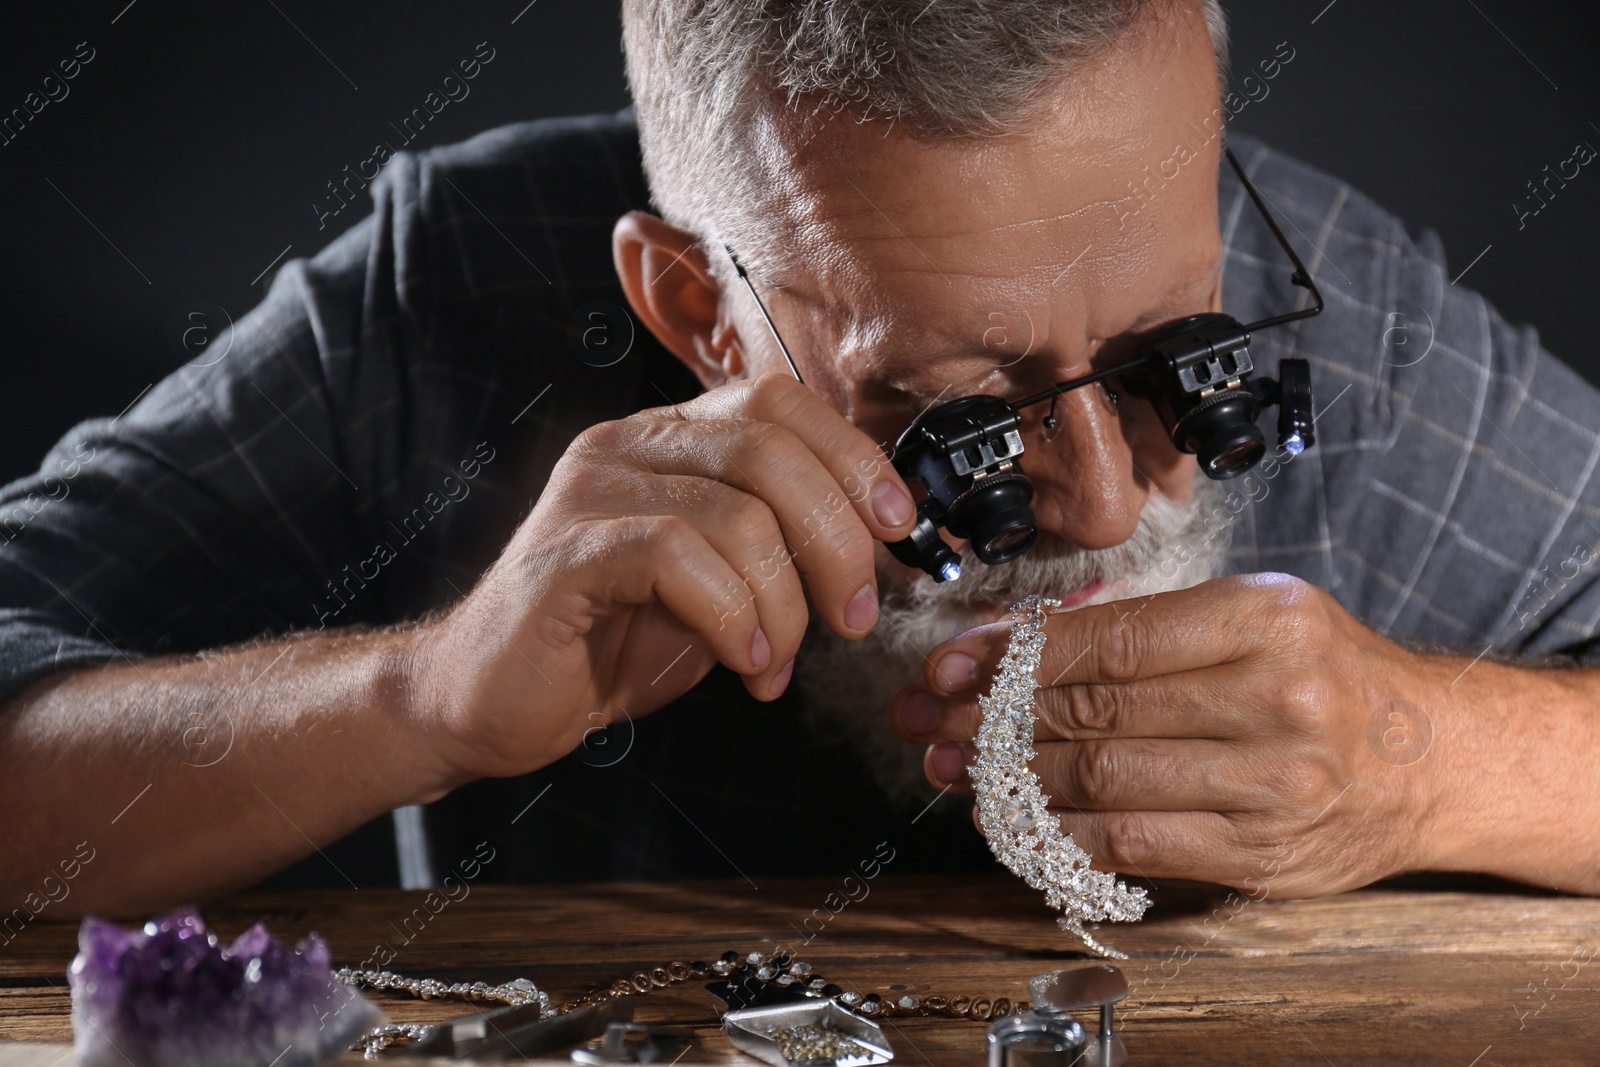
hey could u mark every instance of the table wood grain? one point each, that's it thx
(1392, 974)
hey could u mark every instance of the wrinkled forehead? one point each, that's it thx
(1105, 200)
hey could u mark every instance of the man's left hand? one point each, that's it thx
(1247, 731)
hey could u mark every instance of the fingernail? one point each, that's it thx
(862, 611)
(956, 671)
(760, 651)
(781, 681)
(947, 763)
(891, 505)
(920, 713)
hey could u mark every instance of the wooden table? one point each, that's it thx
(1390, 974)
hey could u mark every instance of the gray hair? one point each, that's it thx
(704, 72)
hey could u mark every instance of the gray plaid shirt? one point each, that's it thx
(380, 423)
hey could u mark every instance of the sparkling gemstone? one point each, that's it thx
(755, 959)
(800, 967)
(850, 999)
(172, 995)
(767, 972)
(909, 1002)
(1018, 816)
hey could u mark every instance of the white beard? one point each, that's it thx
(845, 686)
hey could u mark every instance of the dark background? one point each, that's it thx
(199, 136)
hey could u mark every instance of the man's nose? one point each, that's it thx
(1087, 486)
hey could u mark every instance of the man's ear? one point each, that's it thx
(669, 283)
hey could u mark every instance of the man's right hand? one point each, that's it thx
(661, 545)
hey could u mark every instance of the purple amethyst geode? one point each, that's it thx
(172, 995)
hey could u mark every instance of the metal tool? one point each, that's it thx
(518, 1031)
(1098, 986)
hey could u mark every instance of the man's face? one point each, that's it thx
(936, 270)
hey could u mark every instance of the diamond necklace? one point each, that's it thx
(1014, 811)
(755, 970)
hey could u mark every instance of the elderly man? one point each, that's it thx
(300, 587)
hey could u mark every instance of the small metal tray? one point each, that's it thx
(751, 1029)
